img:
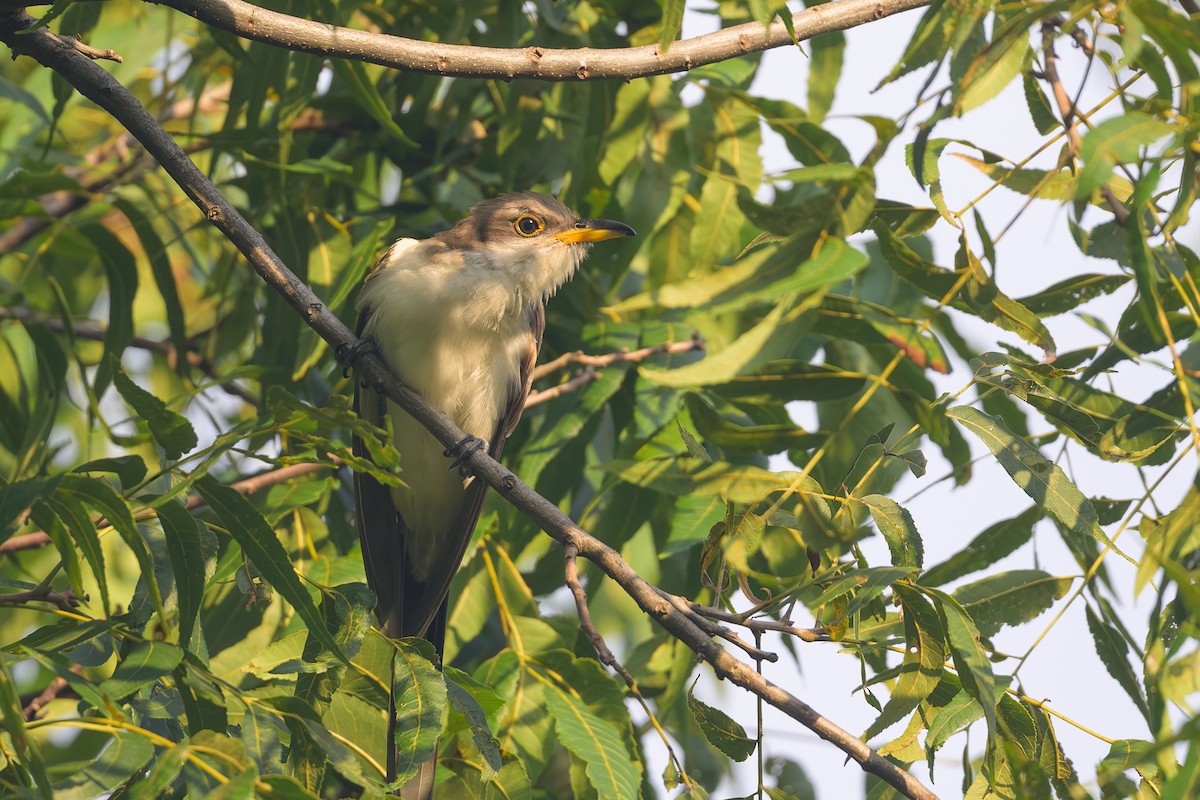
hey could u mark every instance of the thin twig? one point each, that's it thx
(1068, 111)
(51, 692)
(696, 343)
(585, 618)
(585, 376)
(606, 656)
(95, 53)
(101, 88)
(760, 625)
(712, 629)
(67, 601)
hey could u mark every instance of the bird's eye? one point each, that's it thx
(528, 226)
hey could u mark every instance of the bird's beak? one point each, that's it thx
(594, 230)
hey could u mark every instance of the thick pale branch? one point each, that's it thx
(96, 84)
(435, 58)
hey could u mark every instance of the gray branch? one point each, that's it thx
(540, 63)
(101, 88)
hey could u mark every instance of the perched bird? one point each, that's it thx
(458, 317)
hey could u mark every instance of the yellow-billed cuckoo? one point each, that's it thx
(458, 317)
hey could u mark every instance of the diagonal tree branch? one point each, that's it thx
(436, 58)
(96, 84)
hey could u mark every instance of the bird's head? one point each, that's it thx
(532, 236)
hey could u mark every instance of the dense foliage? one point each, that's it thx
(164, 633)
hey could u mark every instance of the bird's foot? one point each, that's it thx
(463, 449)
(349, 356)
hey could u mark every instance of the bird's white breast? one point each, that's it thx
(455, 329)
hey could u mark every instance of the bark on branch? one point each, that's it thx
(540, 63)
(97, 85)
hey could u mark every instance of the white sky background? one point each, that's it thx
(1037, 252)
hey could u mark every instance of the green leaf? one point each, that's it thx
(924, 659)
(16, 498)
(682, 477)
(121, 269)
(117, 764)
(1043, 116)
(366, 94)
(145, 664)
(594, 741)
(973, 292)
(461, 691)
(992, 71)
(1044, 481)
(970, 659)
(760, 438)
(824, 70)
(994, 543)
(27, 762)
(832, 262)
(1114, 141)
(182, 532)
(1010, 598)
(771, 338)
(420, 696)
(172, 431)
(130, 470)
(101, 497)
(927, 171)
(164, 276)
(898, 530)
(248, 528)
(1114, 654)
(789, 379)
(672, 22)
(1068, 294)
(721, 730)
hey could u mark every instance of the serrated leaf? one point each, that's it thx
(688, 476)
(182, 532)
(789, 379)
(992, 71)
(130, 470)
(144, 664)
(419, 691)
(121, 269)
(1010, 598)
(366, 94)
(594, 741)
(1071, 293)
(1113, 651)
(924, 659)
(1118, 140)
(773, 336)
(103, 498)
(994, 543)
(672, 21)
(260, 545)
(173, 432)
(896, 526)
(117, 764)
(721, 730)
(461, 692)
(1041, 479)
(970, 659)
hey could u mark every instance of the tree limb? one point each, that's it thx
(99, 86)
(540, 63)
